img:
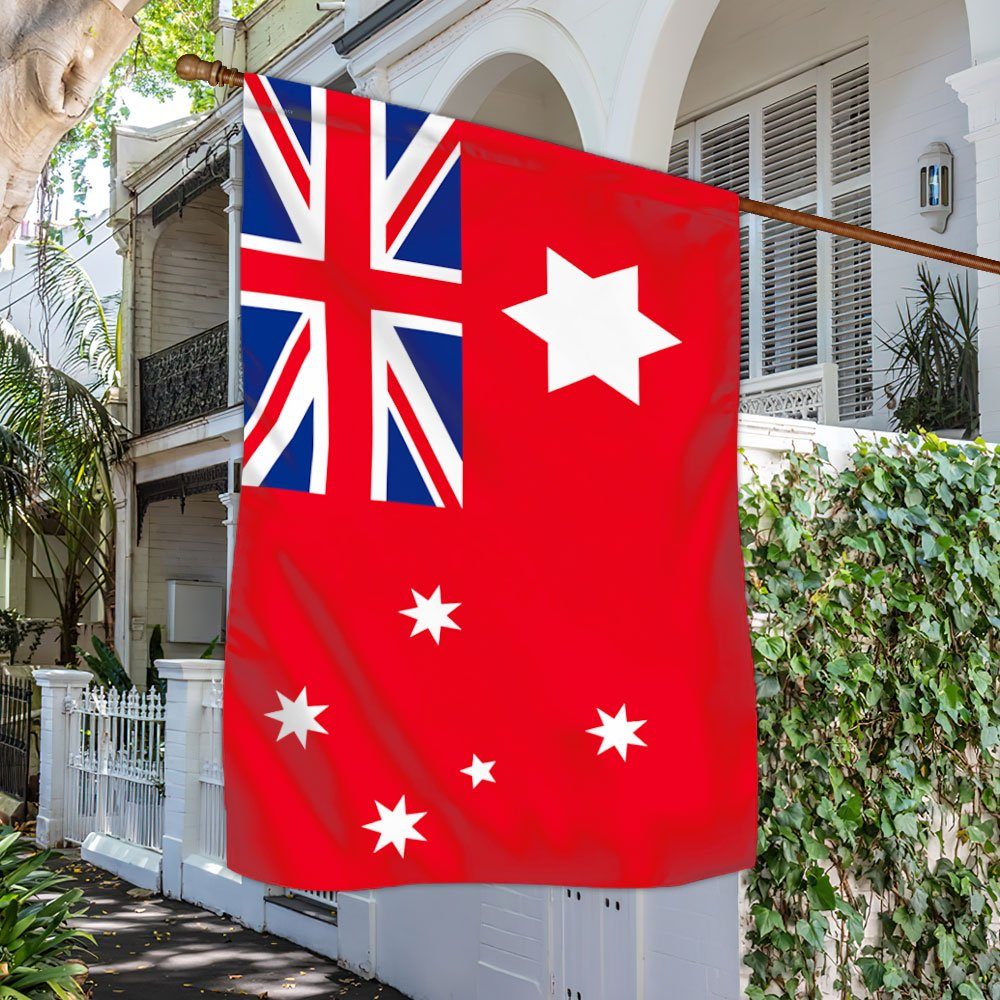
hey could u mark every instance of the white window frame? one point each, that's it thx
(752, 106)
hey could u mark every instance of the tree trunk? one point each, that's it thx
(53, 57)
(69, 624)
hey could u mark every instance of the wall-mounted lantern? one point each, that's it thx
(936, 184)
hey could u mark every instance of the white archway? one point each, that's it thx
(501, 45)
(654, 72)
(984, 29)
(520, 95)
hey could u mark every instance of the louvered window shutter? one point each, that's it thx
(850, 140)
(790, 264)
(745, 302)
(679, 164)
(790, 269)
(790, 148)
(851, 311)
(725, 157)
(852, 308)
(804, 144)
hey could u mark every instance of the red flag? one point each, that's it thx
(487, 619)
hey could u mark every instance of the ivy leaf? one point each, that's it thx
(850, 811)
(909, 923)
(767, 687)
(906, 824)
(788, 531)
(970, 990)
(892, 977)
(946, 947)
(872, 972)
(815, 849)
(820, 891)
(811, 932)
(771, 647)
(767, 920)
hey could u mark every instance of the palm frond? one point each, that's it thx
(55, 414)
(73, 302)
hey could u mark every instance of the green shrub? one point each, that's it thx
(876, 595)
(38, 948)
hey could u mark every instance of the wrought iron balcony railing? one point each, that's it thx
(184, 380)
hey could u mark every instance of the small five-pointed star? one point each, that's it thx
(592, 326)
(395, 826)
(431, 614)
(298, 717)
(617, 732)
(479, 771)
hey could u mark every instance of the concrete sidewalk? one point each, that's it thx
(161, 949)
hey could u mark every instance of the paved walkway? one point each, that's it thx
(161, 949)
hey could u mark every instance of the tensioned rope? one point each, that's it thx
(191, 67)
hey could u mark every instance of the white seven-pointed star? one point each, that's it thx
(431, 614)
(617, 732)
(592, 326)
(395, 826)
(298, 717)
(480, 770)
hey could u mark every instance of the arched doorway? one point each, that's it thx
(519, 94)
(984, 30)
(518, 70)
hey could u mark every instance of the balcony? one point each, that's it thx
(808, 393)
(185, 380)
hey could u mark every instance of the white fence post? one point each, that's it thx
(186, 683)
(57, 686)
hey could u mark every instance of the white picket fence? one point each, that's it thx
(114, 780)
(138, 781)
(211, 791)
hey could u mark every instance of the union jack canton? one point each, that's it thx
(290, 229)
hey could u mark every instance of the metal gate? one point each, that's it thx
(114, 779)
(15, 736)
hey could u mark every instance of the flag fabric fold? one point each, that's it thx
(487, 620)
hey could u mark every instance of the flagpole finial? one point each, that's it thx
(191, 67)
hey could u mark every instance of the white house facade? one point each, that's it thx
(823, 105)
(22, 586)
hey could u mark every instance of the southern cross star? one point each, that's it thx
(617, 732)
(297, 717)
(479, 771)
(395, 826)
(431, 614)
(592, 326)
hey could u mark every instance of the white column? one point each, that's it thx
(979, 89)
(231, 501)
(356, 918)
(186, 683)
(58, 686)
(233, 186)
(123, 484)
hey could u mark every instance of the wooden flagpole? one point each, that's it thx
(190, 67)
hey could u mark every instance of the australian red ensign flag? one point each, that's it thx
(487, 619)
